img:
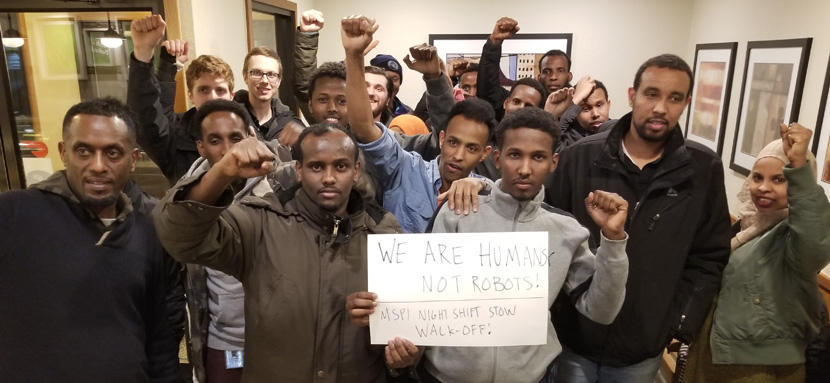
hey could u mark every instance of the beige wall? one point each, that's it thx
(753, 20)
(217, 27)
(608, 44)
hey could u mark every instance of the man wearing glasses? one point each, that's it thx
(273, 121)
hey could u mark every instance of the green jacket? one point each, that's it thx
(769, 304)
(305, 63)
(297, 263)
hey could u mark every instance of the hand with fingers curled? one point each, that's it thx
(146, 33)
(311, 21)
(423, 59)
(401, 353)
(178, 49)
(504, 29)
(559, 101)
(360, 305)
(462, 195)
(457, 66)
(357, 34)
(583, 89)
(290, 133)
(246, 159)
(796, 139)
(609, 211)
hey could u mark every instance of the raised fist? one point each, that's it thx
(311, 21)
(505, 28)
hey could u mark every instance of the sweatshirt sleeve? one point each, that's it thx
(193, 232)
(808, 245)
(598, 295)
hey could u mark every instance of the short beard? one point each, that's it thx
(644, 134)
(97, 204)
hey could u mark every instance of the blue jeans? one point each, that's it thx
(569, 367)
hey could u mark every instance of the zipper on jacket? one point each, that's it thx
(657, 216)
(516, 216)
(493, 365)
(336, 227)
(653, 221)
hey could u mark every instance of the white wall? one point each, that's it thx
(716, 21)
(611, 38)
(219, 29)
(302, 6)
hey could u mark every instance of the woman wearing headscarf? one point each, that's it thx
(769, 306)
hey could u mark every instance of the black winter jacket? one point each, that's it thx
(167, 137)
(678, 243)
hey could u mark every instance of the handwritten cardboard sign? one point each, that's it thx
(464, 289)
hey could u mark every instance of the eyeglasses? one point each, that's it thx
(257, 74)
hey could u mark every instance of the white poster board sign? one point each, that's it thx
(464, 289)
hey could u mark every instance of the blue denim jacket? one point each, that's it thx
(408, 183)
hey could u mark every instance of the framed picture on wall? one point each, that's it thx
(520, 53)
(770, 96)
(821, 138)
(706, 119)
(59, 48)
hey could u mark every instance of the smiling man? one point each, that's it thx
(273, 121)
(671, 183)
(84, 275)
(327, 94)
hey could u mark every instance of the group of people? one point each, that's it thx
(269, 221)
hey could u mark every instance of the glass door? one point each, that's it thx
(60, 59)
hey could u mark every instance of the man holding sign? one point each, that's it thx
(596, 284)
(298, 254)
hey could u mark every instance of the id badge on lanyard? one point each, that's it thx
(233, 359)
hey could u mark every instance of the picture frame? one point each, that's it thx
(714, 67)
(64, 40)
(520, 53)
(821, 138)
(770, 95)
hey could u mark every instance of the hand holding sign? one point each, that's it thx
(401, 353)
(360, 305)
(609, 211)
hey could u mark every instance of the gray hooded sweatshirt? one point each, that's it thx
(570, 266)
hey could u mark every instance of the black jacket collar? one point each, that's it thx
(675, 155)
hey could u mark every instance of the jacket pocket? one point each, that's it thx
(417, 209)
(670, 207)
